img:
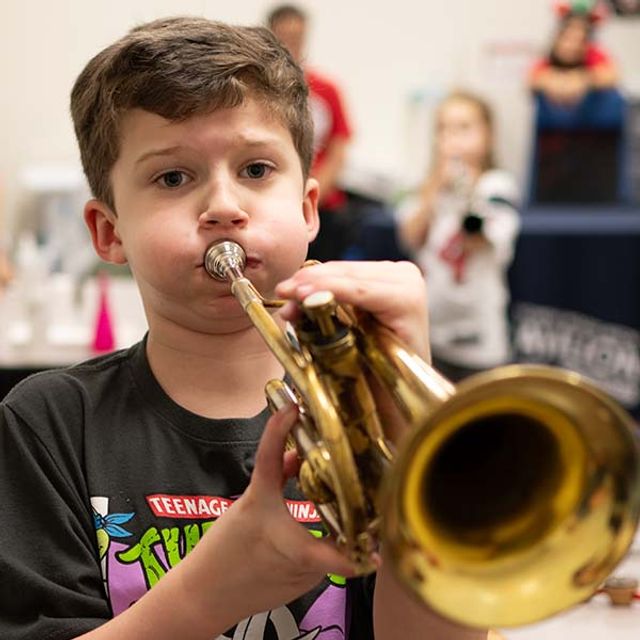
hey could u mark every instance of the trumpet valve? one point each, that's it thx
(320, 308)
(312, 486)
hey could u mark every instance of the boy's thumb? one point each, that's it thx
(330, 559)
(269, 467)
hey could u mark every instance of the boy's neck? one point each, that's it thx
(216, 376)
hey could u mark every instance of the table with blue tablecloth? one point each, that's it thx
(575, 287)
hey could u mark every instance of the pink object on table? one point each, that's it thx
(103, 337)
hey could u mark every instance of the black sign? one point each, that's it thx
(626, 7)
(608, 354)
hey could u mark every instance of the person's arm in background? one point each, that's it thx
(449, 173)
(560, 86)
(328, 172)
(331, 155)
(413, 228)
(600, 76)
(550, 82)
(568, 86)
(604, 76)
(5, 269)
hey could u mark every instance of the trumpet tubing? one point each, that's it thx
(514, 494)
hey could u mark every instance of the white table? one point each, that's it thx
(594, 620)
(60, 334)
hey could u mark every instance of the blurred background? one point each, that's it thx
(567, 285)
(575, 280)
(389, 59)
(386, 60)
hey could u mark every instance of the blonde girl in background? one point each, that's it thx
(461, 229)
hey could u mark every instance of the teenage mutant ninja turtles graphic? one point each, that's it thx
(132, 563)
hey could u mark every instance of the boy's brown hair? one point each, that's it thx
(177, 68)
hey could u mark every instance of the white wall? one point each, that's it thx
(382, 55)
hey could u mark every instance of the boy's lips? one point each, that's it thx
(252, 262)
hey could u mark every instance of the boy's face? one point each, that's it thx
(179, 186)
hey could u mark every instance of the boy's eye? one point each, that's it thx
(173, 179)
(256, 170)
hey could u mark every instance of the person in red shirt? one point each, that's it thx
(575, 64)
(332, 133)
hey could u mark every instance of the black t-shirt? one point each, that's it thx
(106, 483)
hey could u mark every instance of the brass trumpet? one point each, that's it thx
(514, 495)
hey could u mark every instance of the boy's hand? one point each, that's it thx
(261, 551)
(394, 292)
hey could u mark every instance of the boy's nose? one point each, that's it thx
(222, 209)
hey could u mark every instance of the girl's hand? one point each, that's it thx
(458, 173)
(394, 292)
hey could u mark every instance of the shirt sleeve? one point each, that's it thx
(402, 212)
(596, 56)
(51, 586)
(327, 91)
(341, 127)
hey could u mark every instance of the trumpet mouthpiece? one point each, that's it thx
(223, 256)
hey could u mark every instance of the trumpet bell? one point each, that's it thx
(515, 499)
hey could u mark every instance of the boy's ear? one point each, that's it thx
(310, 207)
(103, 226)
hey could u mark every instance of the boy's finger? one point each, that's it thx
(371, 288)
(383, 297)
(290, 465)
(377, 271)
(329, 558)
(269, 467)
(404, 311)
(290, 311)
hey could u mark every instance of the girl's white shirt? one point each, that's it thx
(468, 315)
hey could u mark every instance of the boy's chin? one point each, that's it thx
(225, 316)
